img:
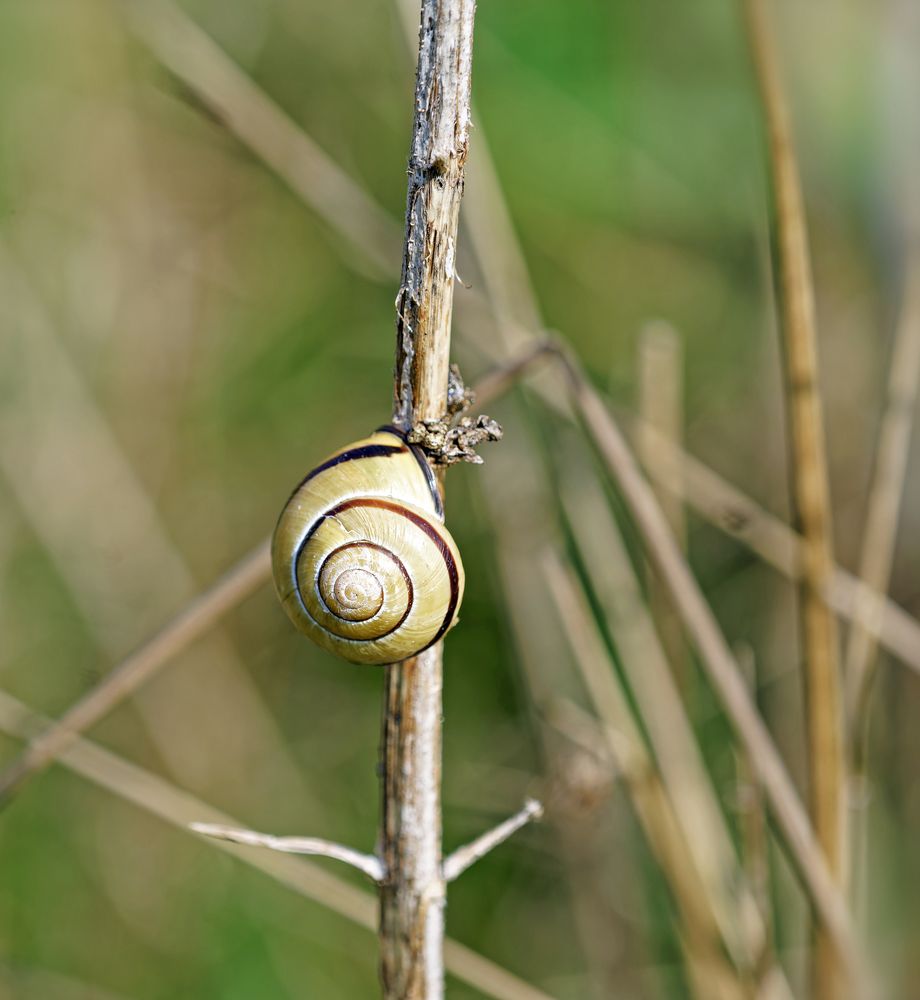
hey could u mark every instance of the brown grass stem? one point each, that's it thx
(811, 490)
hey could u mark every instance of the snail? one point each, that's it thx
(361, 559)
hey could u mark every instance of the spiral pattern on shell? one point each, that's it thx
(361, 559)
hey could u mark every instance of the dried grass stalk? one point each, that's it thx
(811, 492)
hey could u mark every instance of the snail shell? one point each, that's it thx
(361, 559)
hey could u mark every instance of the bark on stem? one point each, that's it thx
(412, 895)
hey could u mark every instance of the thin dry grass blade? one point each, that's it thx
(189, 53)
(699, 923)
(901, 143)
(755, 844)
(659, 705)
(885, 498)
(195, 619)
(86, 504)
(159, 797)
(875, 570)
(661, 407)
(727, 508)
(726, 678)
(521, 513)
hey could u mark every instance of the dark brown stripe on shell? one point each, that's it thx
(352, 455)
(419, 455)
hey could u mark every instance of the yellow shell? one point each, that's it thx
(361, 559)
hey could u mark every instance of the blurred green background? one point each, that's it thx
(183, 337)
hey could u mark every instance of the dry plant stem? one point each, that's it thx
(653, 807)
(727, 508)
(461, 859)
(412, 894)
(661, 406)
(195, 619)
(753, 822)
(369, 864)
(658, 703)
(502, 264)
(811, 494)
(885, 498)
(726, 678)
(730, 510)
(577, 784)
(437, 158)
(177, 807)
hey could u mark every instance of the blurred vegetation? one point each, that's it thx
(201, 325)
